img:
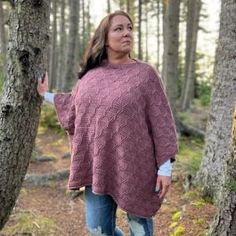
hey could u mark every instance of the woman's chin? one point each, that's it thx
(127, 50)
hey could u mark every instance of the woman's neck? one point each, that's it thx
(119, 60)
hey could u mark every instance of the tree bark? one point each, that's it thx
(2, 32)
(164, 21)
(171, 42)
(62, 51)
(108, 6)
(128, 6)
(225, 220)
(188, 90)
(53, 53)
(70, 75)
(158, 32)
(20, 103)
(211, 173)
(146, 30)
(140, 53)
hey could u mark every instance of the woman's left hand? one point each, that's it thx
(163, 184)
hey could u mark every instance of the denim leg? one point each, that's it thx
(140, 226)
(101, 214)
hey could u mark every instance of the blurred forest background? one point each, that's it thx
(190, 42)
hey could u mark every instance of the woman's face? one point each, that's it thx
(120, 35)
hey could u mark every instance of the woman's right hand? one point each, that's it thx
(42, 86)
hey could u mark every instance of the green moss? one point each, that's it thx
(176, 216)
(191, 195)
(49, 120)
(178, 231)
(199, 203)
(1, 72)
(190, 155)
(173, 225)
(31, 224)
(231, 185)
(199, 221)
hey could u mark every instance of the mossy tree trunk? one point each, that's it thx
(211, 173)
(20, 103)
(225, 220)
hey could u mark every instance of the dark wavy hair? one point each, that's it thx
(96, 50)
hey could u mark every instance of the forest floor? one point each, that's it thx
(49, 210)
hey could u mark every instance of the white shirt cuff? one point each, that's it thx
(49, 97)
(165, 169)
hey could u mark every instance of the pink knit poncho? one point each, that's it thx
(121, 130)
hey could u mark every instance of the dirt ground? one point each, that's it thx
(180, 214)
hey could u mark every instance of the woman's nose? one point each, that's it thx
(126, 32)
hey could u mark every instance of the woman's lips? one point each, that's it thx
(127, 42)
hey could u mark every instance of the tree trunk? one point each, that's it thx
(88, 21)
(83, 27)
(171, 42)
(188, 90)
(53, 53)
(164, 21)
(20, 103)
(62, 51)
(225, 220)
(2, 32)
(121, 5)
(158, 32)
(146, 30)
(128, 6)
(140, 53)
(210, 175)
(108, 6)
(70, 75)
(79, 44)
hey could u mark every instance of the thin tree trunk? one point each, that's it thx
(108, 6)
(211, 173)
(2, 32)
(164, 25)
(83, 26)
(140, 53)
(188, 90)
(79, 46)
(20, 103)
(146, 14)
(53, 53)
(88, 20)
(171, 42)
(121, 4)
(128, 6)
(70, 75)
(158, 33)
(62, 52)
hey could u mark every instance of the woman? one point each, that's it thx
(121, 131)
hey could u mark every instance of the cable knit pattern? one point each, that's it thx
(121, 130)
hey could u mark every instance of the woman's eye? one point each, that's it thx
(118, 29)
(130, 28)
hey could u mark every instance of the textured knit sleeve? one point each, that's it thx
(65, 109)
(161, 122)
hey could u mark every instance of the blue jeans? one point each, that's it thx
(101, 217)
